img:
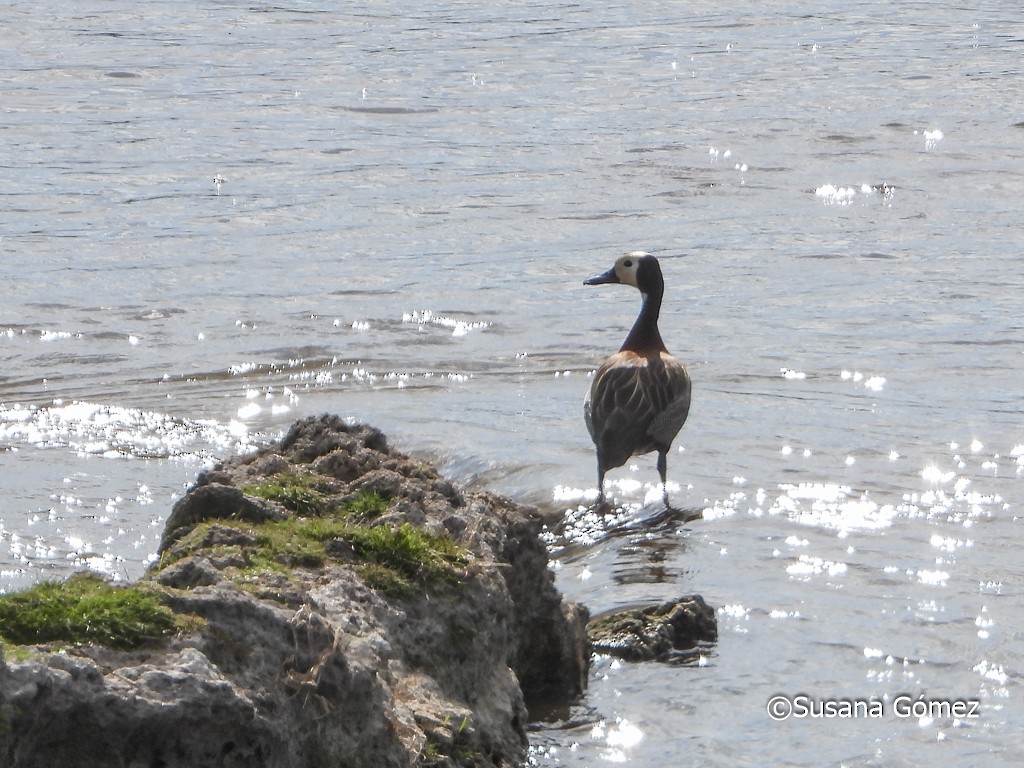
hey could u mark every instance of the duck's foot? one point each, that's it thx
(672, 515)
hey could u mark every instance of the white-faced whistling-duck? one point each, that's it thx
(640, 396)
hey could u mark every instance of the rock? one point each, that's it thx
(654, 632)
(71, 711)
(213, 501)
(192, 572)
(296, 648)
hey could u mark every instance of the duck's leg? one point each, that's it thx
(663, 471)
(673, 513)
(600, 484)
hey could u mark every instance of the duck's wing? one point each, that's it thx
(670, 386)
(617, 414)
(636, 404)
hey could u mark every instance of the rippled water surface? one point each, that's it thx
(218, 217)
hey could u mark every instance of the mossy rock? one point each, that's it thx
(661, 632)
(302, 494)
(394, 560)
(85, 609)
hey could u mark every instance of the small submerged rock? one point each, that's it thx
(338, 603)
(654, 632)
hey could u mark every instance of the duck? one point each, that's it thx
(640, 396)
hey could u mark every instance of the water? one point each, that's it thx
(219, 217)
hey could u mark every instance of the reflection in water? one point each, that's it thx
(648, 560)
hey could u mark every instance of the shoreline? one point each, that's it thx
(326, 600)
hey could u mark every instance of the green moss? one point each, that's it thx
(84, 609)
(307, 495)
(202, 537)
(392, 560)
(366, 505)
(413, 554)
(302, 494)
(386, 580)
(298, 541)
(431, 756)
(451, 745)
(19, 653)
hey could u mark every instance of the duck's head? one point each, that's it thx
(636, 268)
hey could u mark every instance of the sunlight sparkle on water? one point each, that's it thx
(618, 738)
(872, 382)
(57, 335)
(827, 505)
(624, 734)
(250, 411)
(458, 327)
(984, 623)
(735, 611)
(932, 137)
(832, 194)
(949, 543)
(807, 566)
(115, 431)
(240, 369)
(933, 474)
(933, 578)
(656, 492)
(992, 672)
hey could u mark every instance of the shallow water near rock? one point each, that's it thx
(220, 218)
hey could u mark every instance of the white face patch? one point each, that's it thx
(626, 267)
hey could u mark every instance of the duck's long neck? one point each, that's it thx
(644, 336)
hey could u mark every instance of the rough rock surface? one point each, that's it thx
(310, 665)
(654, 632)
